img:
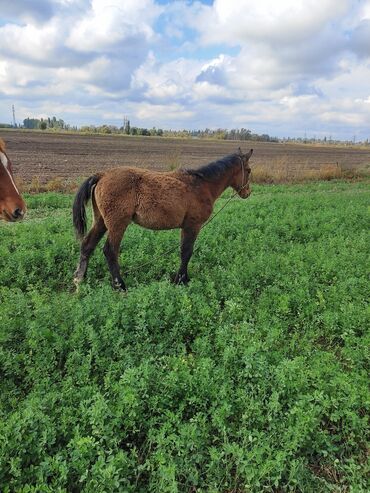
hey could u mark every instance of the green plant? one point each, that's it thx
(253, 378)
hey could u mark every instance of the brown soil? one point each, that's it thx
(47, 156)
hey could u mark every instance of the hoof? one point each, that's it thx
(180, 279)
(119, 285)
(77, 281)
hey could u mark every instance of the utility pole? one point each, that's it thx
(14, 122)
(126, 125)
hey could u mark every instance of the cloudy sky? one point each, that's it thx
(286, 68)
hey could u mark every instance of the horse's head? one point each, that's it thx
(241, 180)
(12, 206)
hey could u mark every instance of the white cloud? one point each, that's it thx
(267, 21)
(91, 46)
(276, 67)
(360, 42)
(31, 43)
(163, 113)
(36, 11)
(163, 81)
(110, 25)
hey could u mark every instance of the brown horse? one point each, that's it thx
(155, 200)
(12, 206)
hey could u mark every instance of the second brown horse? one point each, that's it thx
(156, 200)
(12, 206)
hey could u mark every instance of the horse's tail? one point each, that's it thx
(82, 197)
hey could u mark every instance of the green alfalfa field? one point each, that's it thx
(252, 378)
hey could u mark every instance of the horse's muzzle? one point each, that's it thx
(245, 193)
(16, 215)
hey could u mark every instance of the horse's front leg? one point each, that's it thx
(188, 237)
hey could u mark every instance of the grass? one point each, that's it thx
(281, 171)
(253, 378)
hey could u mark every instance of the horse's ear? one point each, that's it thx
(240, 151)
(249, 154)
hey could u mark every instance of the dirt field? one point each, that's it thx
(48, 156)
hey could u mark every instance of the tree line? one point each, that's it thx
(57, 124)
(45, 123)
(220, 133)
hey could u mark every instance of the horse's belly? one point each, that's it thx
(158, 219)
(162, 205)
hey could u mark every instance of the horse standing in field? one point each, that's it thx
(156, 200)
(12, 206)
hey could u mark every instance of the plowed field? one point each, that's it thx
(48, 156)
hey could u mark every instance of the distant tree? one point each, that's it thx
(53, 123)
(105, 129)
(88, 129)
(31, 123)
(43, 125)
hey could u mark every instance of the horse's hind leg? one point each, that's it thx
(88, 245)
(188, 237)
(111, 252)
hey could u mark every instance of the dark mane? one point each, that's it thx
(214, 170)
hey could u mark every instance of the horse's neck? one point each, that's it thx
(218, 187)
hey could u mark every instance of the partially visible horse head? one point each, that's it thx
(241, 181)
(12, 206)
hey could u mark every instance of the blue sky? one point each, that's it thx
(287, 68)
